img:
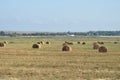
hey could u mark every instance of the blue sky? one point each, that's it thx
(59, 15)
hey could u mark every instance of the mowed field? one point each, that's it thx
(19, 61)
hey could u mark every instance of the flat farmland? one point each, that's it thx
(19, 61)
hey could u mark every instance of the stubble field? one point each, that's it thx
(19, 61)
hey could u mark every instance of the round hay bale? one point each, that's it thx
(5, 42)
(65, 44)
(115, 42)
(2, 44)
(102, 49)
(36, 46)
(66, 48)
(70, 43)
(47, 42)
(42, 42)
(38, 42)
(100, 42)
(83, 43)
(78, 42)
(95, 46)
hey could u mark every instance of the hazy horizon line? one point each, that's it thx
(57, 31)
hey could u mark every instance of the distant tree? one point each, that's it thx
(2, 33)
(69, 32)
(13, 34)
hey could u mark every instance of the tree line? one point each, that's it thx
(89, 33)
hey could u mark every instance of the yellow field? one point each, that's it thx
(19, 61)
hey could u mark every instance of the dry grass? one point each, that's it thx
(19, 61)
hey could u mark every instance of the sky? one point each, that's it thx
(59, 15)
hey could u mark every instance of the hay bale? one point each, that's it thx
(64, 44)
(42, 42)
(66, 48)
(78, 42)
(5, 42)
(95, 46)
(115, 42)
(38, 42)
(83, 43)
(100, 42)
(102, 49)
(47, 42)
(36, 46)
(2, 44)
(70, 43)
